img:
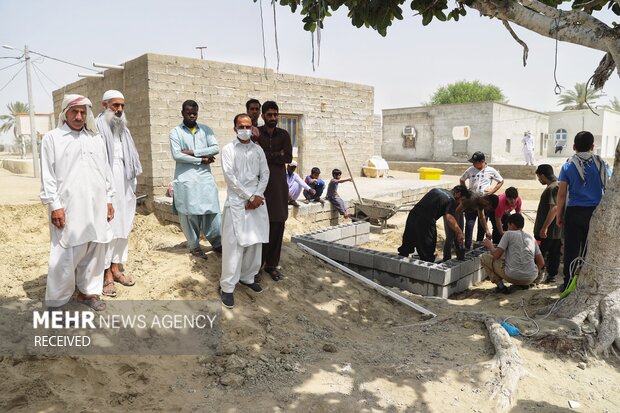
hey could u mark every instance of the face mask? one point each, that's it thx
(244, 134)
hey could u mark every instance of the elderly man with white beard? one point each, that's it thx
(125, 164)
(245, 221)
(76, 185)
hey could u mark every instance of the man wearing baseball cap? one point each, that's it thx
(481, 178)
(295, 184)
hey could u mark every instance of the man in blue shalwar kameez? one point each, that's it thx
(194, 147)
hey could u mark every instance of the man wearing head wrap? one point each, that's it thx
(125, 165)
(545, 228)
(76, 185)
(195, 198)
(528, 147)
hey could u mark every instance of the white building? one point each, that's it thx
(563, 126)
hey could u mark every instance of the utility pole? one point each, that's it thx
(201, 48)
(33, 128)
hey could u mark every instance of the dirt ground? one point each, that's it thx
(317, 341)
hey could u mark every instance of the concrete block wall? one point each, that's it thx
(419, 277)
(155, 86)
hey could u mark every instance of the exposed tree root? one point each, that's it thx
(507, 361)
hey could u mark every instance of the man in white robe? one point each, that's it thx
(76, 185)
(245, 222)
(528, 148)
(124, 161)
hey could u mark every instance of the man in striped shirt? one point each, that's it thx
(483, 180)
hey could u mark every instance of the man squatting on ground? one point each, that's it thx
(194, 147)
(521, 262)
(276, 144)
(421, 227)
(545, 228)
(480, 177)
(125, 165)
(295, 184)
(245, 220)
(76, 185)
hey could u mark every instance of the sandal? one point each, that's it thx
(199, 253)
(129, 281)
(111, 291)
(258, 278)
(93, 302)
(275, 274)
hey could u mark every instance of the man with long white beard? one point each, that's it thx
(76, 185)
(245, 221)
(125, 165)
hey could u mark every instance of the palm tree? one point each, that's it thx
(9, 122)
(615, 104)
(576, 99)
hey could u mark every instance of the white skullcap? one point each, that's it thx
(112, 94)
(293, 163)
(78, 100)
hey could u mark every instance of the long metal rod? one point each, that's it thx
(350, 174)
(33, 128)
(368, 282)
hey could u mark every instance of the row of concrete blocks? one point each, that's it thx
(419, 277)
(352, 234)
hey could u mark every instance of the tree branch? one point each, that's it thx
(526, 49)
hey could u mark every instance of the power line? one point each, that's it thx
(14, 64)
(36, 72)
(13, 78)
(63, 61)
(46, 76)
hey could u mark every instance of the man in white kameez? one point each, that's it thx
(76, 185)
(528, 147)
(125, 164)
(245, 221)
(195, 198)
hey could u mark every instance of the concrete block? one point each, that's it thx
(415, 269)
(464, 283)
(315, 207)
(350, 241)
(441, 274)
(362, 228)
(332, 234)
(376, 229)
(384, 261)
(443, 291)
(469, 265)
(387, 279)
(362, 239)
(347, 230)
(361, 257)
(339, 253)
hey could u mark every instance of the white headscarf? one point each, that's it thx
(77, 100)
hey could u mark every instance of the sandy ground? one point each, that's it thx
(315, 342)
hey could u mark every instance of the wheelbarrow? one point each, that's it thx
(375, 211)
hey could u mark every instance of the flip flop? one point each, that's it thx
(129, 281)
(275, 274)
(93, 302)
(199, 253)
(111, 292)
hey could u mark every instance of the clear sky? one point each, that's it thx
(405, 67)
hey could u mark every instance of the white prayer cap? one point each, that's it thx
(293, 163)
(78, 100)
(112, 94)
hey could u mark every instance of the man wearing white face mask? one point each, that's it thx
(245, 222)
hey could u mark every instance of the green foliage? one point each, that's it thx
(576, 99)
(8, 121)
(379, 14)
(615, 104)
(466, 92)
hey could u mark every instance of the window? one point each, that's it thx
(508, 145)
(291, 124)
(560, 137)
